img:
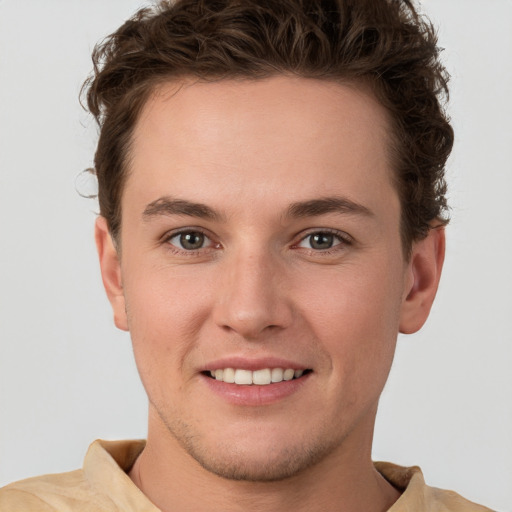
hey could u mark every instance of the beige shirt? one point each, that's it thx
(103, 486)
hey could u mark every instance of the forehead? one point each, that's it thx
(241, 138)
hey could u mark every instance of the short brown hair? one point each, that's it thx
(384, 43)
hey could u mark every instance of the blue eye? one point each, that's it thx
(320, 241)
(190, 240)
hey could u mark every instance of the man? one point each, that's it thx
(272, 208)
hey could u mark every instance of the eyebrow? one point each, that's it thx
(321, 206)
(170, 206)
(314, 207)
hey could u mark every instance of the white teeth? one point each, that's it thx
(288, 374)
(243, 377)
(229, 375)
(277, 374)
(262, 377)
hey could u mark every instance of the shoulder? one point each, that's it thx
(101, 486)
(451, 501)
(63, 492)
(419, 497)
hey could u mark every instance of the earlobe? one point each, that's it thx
(425, 268)
(111, 272)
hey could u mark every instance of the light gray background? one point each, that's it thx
(67, 376)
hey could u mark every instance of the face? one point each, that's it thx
(261, 273)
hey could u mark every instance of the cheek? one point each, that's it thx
(356, 320)
(161, 300)
(165, 312)
(355, 299)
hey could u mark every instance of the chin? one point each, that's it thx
(251, 459)
(275, 467)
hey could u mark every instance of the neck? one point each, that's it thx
(345, 480)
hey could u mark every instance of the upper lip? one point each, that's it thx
(243, 363)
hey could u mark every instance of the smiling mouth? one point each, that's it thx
(262, 377)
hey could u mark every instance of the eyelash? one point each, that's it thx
(343, 240)
(188, 252)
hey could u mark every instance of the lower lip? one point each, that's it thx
(255, 395)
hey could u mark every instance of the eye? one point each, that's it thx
(320, 241)
(190, 240)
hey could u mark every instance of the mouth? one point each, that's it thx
(261, 377)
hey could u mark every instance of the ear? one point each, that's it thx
(424, 272)
(111, 272)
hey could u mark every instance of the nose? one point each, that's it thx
(252, 298)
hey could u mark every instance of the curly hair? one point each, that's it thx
(384, 43)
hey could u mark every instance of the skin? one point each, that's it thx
(258, 287)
